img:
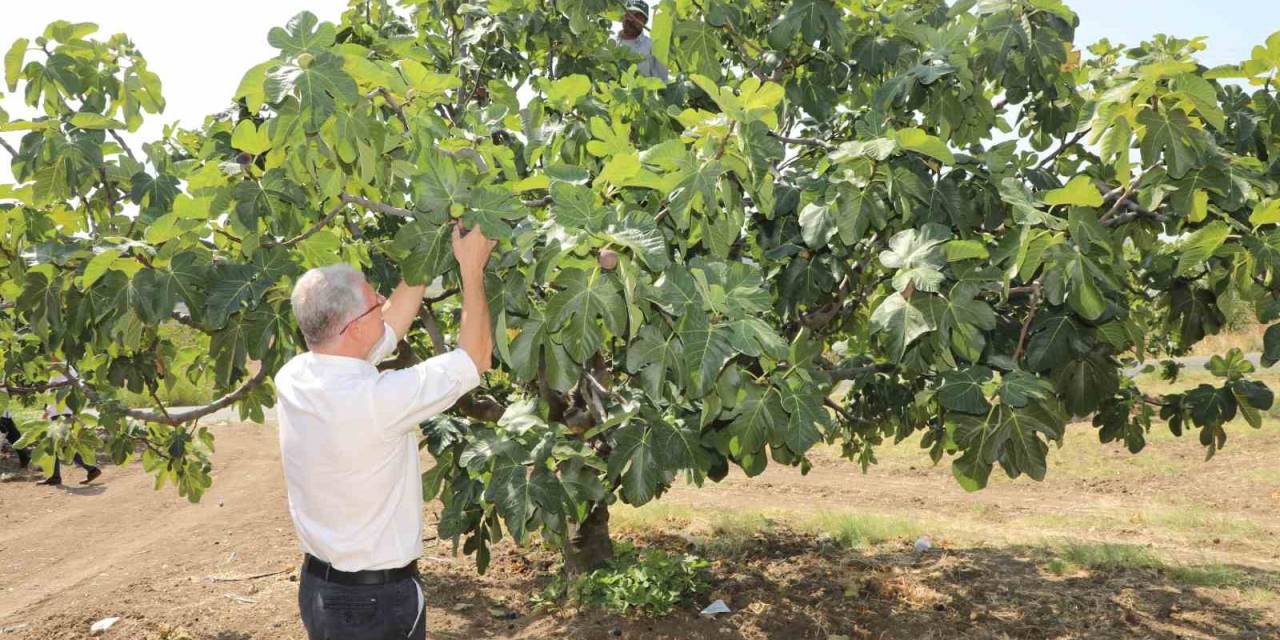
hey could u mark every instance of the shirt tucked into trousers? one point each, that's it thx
(349, 446)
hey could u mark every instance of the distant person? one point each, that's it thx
(349, 442)
(59, 411)
(11, 433)
(632, 36)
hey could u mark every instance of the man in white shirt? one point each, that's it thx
(58, 410)
(632, 36)
(349, 442)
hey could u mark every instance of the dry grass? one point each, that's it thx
(1247, 339)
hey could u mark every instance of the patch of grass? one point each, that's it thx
(740, 523)
(1247, 338)
(1108, 556)
(1069, 522)
(859, 529)
(1270, 475)
(1120, 557)
(1058, 566)
(655, 516)
(981, 509)
(1200, 519)
(1152, 463)
(717, 531)
(1213, 575)
(1261, 583)
(1260, 596)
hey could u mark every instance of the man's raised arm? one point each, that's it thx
(402, 307)
(475, 336)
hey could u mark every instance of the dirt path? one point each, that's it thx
(75, 555)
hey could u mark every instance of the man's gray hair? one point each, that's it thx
(325, 299)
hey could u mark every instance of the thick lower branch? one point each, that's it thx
(181, 417)
(26, 390)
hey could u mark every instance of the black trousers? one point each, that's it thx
(373, 612)
(57, 464)
(11, 433)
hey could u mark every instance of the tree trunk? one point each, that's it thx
(589, 547)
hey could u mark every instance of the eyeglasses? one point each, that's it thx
(381, 300)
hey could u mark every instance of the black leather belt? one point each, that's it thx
(323, 570)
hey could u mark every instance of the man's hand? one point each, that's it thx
(471, 250)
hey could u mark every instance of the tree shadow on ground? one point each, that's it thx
(787, 585)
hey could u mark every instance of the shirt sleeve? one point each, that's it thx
(405, 397)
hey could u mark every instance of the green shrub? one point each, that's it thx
(652, 583)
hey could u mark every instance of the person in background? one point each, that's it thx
(10, 430)
(58, 410)
(632, 36)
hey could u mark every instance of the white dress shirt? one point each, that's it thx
(59, 407)
(349, 445)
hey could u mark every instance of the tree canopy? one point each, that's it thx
(841, 222)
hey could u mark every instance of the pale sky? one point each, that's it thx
(201, 49)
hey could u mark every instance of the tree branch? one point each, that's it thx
(1134, 212)
(154, 396)
(1026, 323)
(1150, 399)
(121, 142)
(808, 142)
(25, 390)
(448, 293)
(848, 417)
(851, 372)
(377, 206)
(428, 318)
(174, 419)
(391, 101)
(1066, 144)
(480, 407)
(106, 189)
(13, 152)
(1128, 192)
(324, 222)
(228, 235)
(181, 417)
